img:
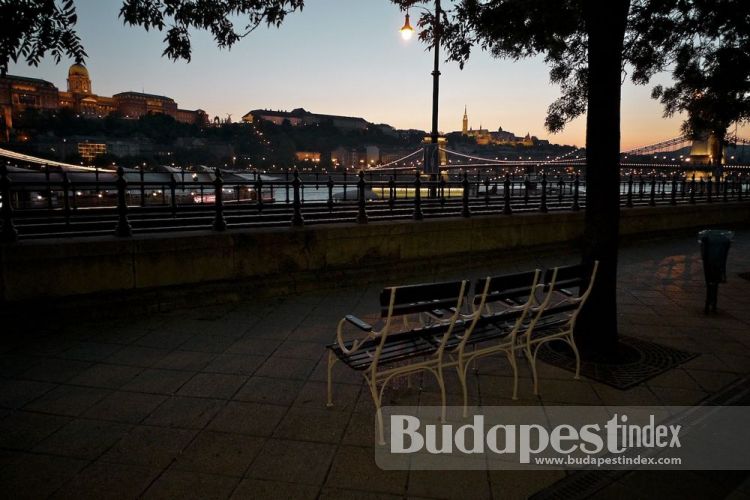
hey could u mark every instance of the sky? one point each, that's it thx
(338, 57)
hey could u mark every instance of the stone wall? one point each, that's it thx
(299, 258)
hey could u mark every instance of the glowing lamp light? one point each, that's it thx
(407, 31)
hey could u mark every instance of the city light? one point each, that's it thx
(406, 30)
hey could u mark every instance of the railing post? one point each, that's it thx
(652, 194)
(692, 190)
(286, 185)
(220, 224)
(487, 190)
(259, 192)
(724, 194)
(362, 214)
(641, 189)
(173, 195)
(543, 200)
(49, 187)
(465, 212)
(673, 194)
(143, 188)
(710, 190)
(739, 184)
(629, 202)
(329, 185)
(683, 186)
(576, 192)
(9, 231)
(663, 186)
(392, 191)
(123, 224)
(297, 219)
(507, 210)
(560, 188)
(526, 187)
(66, 197)
(418, 215)
(442, 191)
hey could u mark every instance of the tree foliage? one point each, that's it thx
(228, 21)
(35, 28)
(709, 45)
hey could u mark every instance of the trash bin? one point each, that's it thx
(714, 251)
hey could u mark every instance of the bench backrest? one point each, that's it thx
(514, 287)
(568, 277)
(413, 299)
(553, 303)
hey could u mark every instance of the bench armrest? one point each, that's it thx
(362, 325)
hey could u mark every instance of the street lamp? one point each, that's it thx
(431, 151)
(407, 31)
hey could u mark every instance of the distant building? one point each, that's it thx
(309, 156)
(484, 137)
(18, 94)
(90, 150)
(373, 155)
(301, 117)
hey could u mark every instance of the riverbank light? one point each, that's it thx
(407, 31)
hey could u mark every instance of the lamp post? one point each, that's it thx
(431, 150)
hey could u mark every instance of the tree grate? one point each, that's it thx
(637, 361)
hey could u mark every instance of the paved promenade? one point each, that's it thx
(230, 401)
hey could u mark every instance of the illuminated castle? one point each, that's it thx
(501, 137)
(19, 93)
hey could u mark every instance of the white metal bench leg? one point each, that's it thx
(462, 369)
(514, 366)
(572, 343)
(331, 362)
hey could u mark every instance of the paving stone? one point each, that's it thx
(38, 476)
(238, 364)
(457, 484)
(298, 461)
(137, 356)
(520, 484)
(68, 400)
(190, 485)
(91, 351)
(254, 345)
(269, 390)
(149, 446)
(313, 395)
(129, 407)
(185, 360)
(23, 430)
(313, 425)
(83, 438)
(274, 490)
(219, 453)
(102, 480)
(158, 381)
(340, 494)
(300, 349)
(185, 413)
(106, 376)
(254, 419)
(354, 468)
(212, 385)
(286, 368)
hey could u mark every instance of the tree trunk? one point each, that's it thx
(596, 331)
(718, 167)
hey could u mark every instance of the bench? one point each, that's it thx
(403, 342)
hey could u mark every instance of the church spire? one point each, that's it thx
(465, 128)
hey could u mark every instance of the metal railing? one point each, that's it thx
(59, 204)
